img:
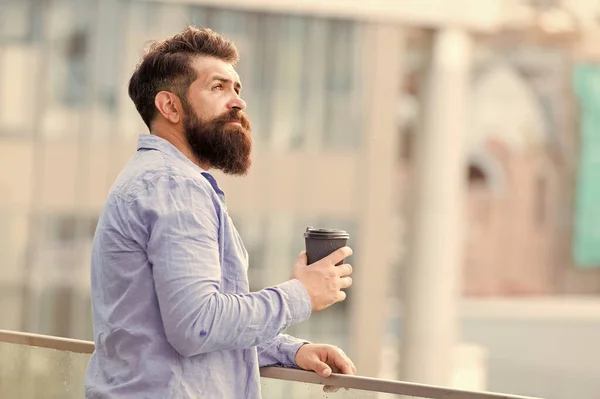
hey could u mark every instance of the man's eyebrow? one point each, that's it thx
(223, 79)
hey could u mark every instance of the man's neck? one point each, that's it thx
(178, 140)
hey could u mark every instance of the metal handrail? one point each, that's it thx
(47, 341)
(288, 374)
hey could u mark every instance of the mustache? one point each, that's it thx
(235, 115)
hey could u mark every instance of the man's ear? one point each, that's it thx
(169, 106)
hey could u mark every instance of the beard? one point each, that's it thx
(221, 145)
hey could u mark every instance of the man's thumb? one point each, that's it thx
(302, 258)
(323, 370)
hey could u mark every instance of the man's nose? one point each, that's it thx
(237, 103)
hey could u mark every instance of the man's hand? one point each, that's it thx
(324, 280)
(324, 359)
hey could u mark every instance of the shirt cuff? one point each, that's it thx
(298, 300)
(290, 348)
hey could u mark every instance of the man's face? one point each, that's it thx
(216, 129)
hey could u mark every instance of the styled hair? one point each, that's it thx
(166, 65)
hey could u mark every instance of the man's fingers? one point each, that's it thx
(341, 296)
(331, 388)
(343, 363)
(322, 368)
(344, 270)
(346, 368)
(345, 282)
(349, 361)
(339, 255)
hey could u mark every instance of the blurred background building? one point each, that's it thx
(485, 223)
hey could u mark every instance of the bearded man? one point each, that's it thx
(173, 315)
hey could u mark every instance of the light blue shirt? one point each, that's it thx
(173, 315)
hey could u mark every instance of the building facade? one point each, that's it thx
(67, 127)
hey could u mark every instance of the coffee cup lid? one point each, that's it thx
(326, 233)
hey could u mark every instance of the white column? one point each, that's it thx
(383, 48)
(436, 238)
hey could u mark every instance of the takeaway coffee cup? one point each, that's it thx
(322, 242)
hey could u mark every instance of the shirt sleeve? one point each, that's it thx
(183, 250)
(279, 351)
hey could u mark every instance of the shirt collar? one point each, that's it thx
(151, 142)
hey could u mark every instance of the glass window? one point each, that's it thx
(106, 52)
(18, 21)
(69, 39)
(343, 123)
(313, 98)
(55, 311)
(301, 77)
(262, 80)
(21, 24)
(64, 72)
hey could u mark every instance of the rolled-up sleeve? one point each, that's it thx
(183, 250)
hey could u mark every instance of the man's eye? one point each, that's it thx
(218, 87)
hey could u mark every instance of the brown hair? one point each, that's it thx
(166, 66)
